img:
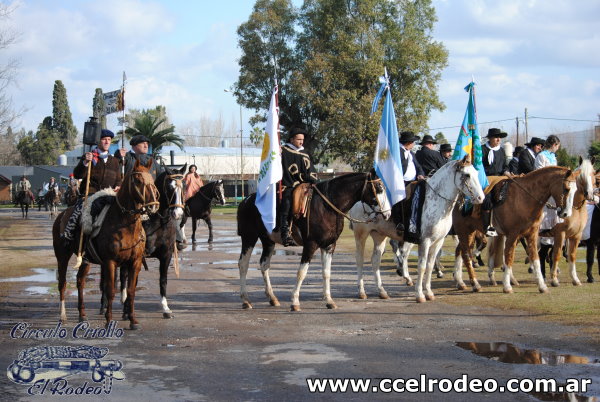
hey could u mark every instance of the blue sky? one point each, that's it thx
(543, 55)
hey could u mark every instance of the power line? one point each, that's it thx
(512, 119)
(556, 118)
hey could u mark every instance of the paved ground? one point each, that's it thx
(214, 350)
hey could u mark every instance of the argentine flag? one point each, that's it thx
(387, 152)
(271, 171)
(469, 140)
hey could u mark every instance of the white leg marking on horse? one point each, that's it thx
(243, 267)
(123, 295)
(573, 272)
(165, 306)
(326, 258)
(300, 275)
(63, 311)
(378, 250)
(264, 269)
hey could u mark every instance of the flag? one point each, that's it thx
(387, 152)
(469, 140)
(271, 171)
(114, 101)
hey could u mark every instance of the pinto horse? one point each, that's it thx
(320, 228)
(518, 216)
(24, 200)
(200, 206)
(571, 229)
(52, 199)
(119, 243)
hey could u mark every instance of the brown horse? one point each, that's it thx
(572, 227)
(24, 200)
(321, 228)
(72, 193)
(119, 243)
(520, 215)
(52, 199)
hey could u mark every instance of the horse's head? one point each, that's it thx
(372, 189)
(563, 192)
(220, 192)
(170, 187)
(466, 179)
(586, 178)
(138, 188)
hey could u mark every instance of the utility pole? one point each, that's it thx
(517, 121)
(526, 128)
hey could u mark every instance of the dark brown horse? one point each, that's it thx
(119, 243)
(24, 200)
(72, 193)
(52, 200)
(200, 206)
(321, 228)
(518, 216)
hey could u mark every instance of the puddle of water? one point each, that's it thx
(509, 353)
(41, 275)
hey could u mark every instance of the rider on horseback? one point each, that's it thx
(24, 186)
(105, 172)
(297, 168)
(494, 163)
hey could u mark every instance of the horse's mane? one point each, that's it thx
(324, 186)
(586, 168)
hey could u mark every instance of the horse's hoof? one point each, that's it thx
(461, 286)
(82, 318)
(331, 306)
(430, 297)
(515, 283)
(246, 305)
(440, 274)
(274, 303)
(554, 283)
(167, 315)
(63, 320)
(420, 300)
(493, 283)
(362, 296)
(383, 295)
(508, 290)
(476, 288)
(135, 326)
(576, 283)
(590, 279)
(544, 290)
(530, 270)
(410, 283)
(210, 240)
(295, 307)
(102, 311)
(125, 317)
(398, 272)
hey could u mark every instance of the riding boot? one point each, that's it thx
(284, 226)
(489, 230)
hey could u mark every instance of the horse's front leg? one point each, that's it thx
(165, 261)
(194, 223)
(63, 262)
(360, 237)
(378, 250)
(559, 239)
(421, 269)
(402, 254)
(133, 272)
(326, 257)
(307, 253)
(265, 264)
(248, 243)
(572, 243)
(108, 277)
(210, 228)
(434, 249)
(82, 273)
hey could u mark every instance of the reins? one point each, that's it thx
(141, 196)
(546, 204)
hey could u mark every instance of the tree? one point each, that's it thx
(9, 155)
(98, 107)
(441, 138)
(564, 159)
(43, 147)
(8, 70)
(594, 151)
(148, 123)
(328, 56)
(61, 117)
(257, 135)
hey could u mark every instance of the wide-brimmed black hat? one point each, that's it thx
(138, 139)
(408, 136)
(107, 133)
(496, 132)
(445, 148)
(295, 131)
(535, 141)
(427, 139)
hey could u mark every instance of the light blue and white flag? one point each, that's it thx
(271, 171)
(387, 152)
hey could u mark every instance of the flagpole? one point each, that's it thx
(123, 122)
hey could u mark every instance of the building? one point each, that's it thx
(5, 190)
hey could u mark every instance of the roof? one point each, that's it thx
(198, 151)
(11, 171)
(5, 179)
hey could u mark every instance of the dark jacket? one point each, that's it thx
(131, 157)
(429, 160)
(404, 162)
(499, 166)
(297, 167)
(526, 161)
(104, 174)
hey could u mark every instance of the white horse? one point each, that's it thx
(443, 190)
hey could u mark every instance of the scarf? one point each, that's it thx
(411, 171)
(491, 153)
(289, 144)
(96, 155)
(550, 156)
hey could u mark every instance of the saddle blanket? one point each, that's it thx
(95, 211)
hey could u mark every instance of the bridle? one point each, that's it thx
(212, 193)
(546, 204)
(147, 207)
(178, 179)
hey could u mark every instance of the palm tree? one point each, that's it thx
(148, 124)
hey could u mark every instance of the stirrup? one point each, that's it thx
(491, 232)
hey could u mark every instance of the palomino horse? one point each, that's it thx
(52, 199)
(119, 243)
(161, 230)
(24, 200)
(200, 206)
(319, 229)
(572, 227)
(519, 215)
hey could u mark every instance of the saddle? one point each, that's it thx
(301, 199)
(495, 195)
(95, 211)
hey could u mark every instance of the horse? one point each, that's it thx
(161, 230)
(24, 200)
(519, 215)
(121, 239)
(72, 193)
(320, 228)
(52, 199)
(200, 206)
(571, 228)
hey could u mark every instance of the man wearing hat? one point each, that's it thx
(513, 165)
(139, 151)
(410, 165)
(105, 172)
(494, 159)
(297, 168)
(527, 157)
(446, 152)
(429, 159)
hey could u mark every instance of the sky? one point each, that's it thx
(543, 55)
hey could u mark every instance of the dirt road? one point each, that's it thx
(213, 350)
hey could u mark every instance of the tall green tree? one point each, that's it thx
(148, 123)
(98, 107)
(43, 147)
(328, 56)
(61, 117)
(441, 138)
